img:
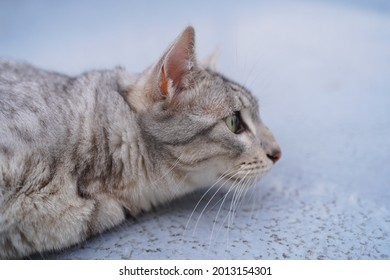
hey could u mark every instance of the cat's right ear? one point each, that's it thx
(172, 74)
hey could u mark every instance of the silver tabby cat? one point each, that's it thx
(79, 154)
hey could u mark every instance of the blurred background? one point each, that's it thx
(321, 72)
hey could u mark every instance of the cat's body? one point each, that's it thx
(79, 154)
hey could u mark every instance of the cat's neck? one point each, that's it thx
(144, 181)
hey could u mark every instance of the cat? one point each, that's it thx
(80, 154)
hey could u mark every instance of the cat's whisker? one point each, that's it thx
(235, 186)
(244, 189)
(225, 196)
(209, 201)
(249, 186)
(176, 189)
(232, 175)
(252, 190)
(154, 183)
(237, 192)
(177, 185)
(239, 186)
(228, 179)
(251, 182)
(220, 207)
(253, 196)
(261, 73)
(222, 177)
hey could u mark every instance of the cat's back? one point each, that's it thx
(15, 74)
(27, 101)
(52, 122)
(46, 111)
(24, 87)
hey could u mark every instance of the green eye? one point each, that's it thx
(233, 123)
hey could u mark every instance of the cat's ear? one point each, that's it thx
(174, 68)
(211, 61)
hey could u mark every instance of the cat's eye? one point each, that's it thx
(233, 122)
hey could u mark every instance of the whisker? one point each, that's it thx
(154, 183)
(236, 195)
(223, 198)
(220, 207)
(212, 197)
(249, 186)
(236, 186)
(222, 177)
(176, 188)
(253, 197)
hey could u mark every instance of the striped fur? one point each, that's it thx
(79, 154)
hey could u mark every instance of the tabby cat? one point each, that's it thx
(79, 154)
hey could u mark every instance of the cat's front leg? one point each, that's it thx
(108, 212)
(45, 220)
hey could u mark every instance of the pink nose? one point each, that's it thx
(275, 155)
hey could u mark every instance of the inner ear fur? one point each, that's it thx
(173, 72)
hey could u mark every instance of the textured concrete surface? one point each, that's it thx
(321, 71)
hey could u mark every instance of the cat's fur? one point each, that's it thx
(77, 154)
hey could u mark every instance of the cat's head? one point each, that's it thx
(201, 125)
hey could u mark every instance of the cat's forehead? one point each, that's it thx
(229, 96)
(242, 95)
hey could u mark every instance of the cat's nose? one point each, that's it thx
(274, 155)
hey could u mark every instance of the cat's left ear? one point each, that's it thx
(211, 61)
(176, 64)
